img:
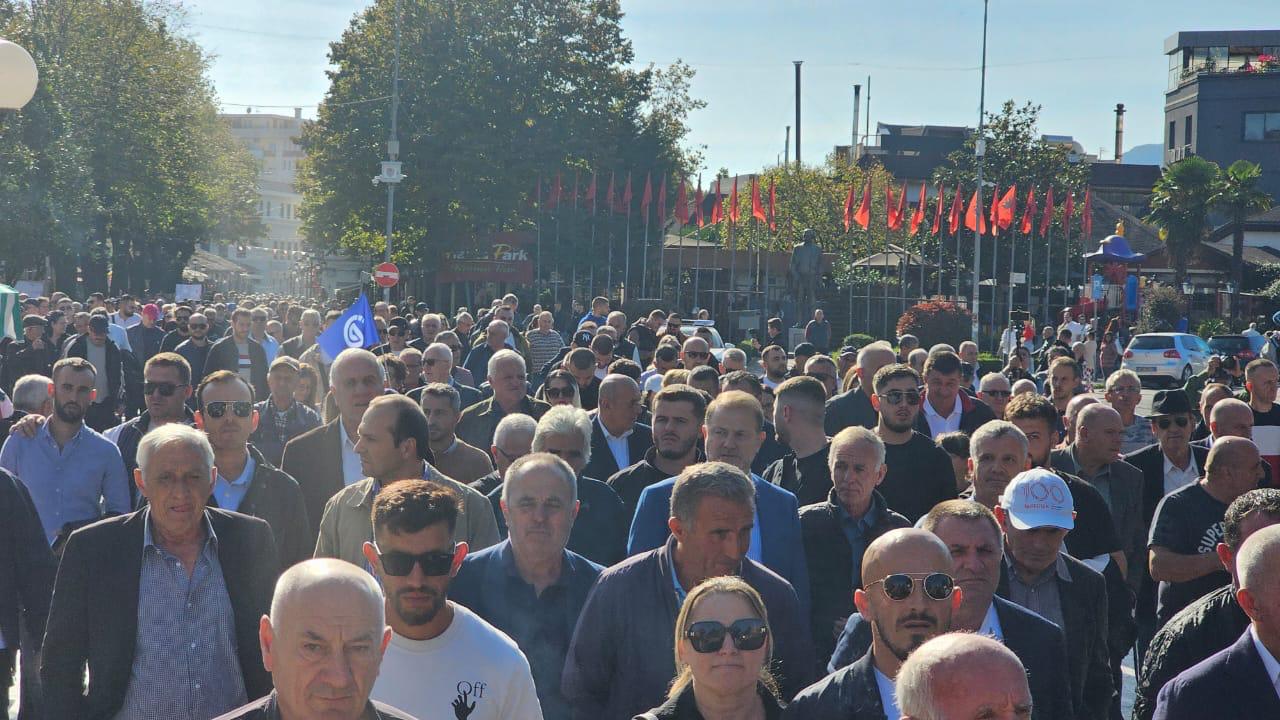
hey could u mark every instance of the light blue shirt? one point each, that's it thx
(755, 551)
(270, 346)
(887, 699)
(71, 484)
(119, 336)
(991, 624)
(230, 493)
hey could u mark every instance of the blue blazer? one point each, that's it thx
(782, 548)
(1232, 683)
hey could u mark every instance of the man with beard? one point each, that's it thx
(166, 385)
(74, 474)
(854, 406)
(453, 457)
(298, 344)
(907, 595)
(774, 360)
(108, 359)
(678, 411)
(798, 417)
(196, 347)
(920, 474)
(240, 353)
(178, 334)
(443, 661)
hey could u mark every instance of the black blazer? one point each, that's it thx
(602, 464)
(1233, 683)
(274, 496)
(1150, 460)
(27, 566)
(93, 620)
(314, 459)
(223, 355)
(849, 693)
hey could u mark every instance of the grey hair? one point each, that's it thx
(994, 430)
(856, 434)
(350, 354)
(710, 479)
(439, 348)
(564, 420)
(295, 583)
(736, 354)
(926, 669)
(173, 434)
(502, 356)
(310, 314)
(992, 378)
(515, 423)
(536, 461)
(1119, 375)
(443, 390)
(495, 323)
(31, 392)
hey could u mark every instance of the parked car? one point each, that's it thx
(1170, 358)
(691, 328)
(1237, 346)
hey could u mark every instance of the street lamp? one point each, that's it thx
(18, 76)
(1187, 287)
(980, 148)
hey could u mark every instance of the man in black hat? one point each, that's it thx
(33, 355)
(803, 352)
(397, 338)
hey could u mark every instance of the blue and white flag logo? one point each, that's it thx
(355, 329)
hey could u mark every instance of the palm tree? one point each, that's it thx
(1180, 204)
(1236, 195)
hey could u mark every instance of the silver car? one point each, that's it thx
(1168, 357)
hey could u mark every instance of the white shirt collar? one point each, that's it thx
(955, 412)
(610, 436)
(1269, 661)
(991, 624)
(352, 472)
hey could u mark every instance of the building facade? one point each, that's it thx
(273, 141)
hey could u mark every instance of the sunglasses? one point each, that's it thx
(708, 636)
(897, 397)
(565, 392)
(1126, 390)
(693, 354)
(395, 332)
(166, 389)
(431, 362)
(1164, 422)
(898, 586)
(997, 393)
(217, 408)
(399, 564)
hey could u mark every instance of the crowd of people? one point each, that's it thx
(494, 513)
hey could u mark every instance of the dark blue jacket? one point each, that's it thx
(599, 532)
(779, 513)
(269, 440)
(1232, 683)
(849, 693)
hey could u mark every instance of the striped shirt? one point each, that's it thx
(543, 347)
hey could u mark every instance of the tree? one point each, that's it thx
(1237, 196)
(1180, 204)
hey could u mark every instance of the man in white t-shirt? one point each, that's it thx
(443, 661)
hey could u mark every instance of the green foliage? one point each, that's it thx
(1180, 206)
(858, 340)
(936, 322)
(1212, 326)
(1161, 307)
(750, 347)
(1237, 196)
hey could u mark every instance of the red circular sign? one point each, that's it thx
(386, 275)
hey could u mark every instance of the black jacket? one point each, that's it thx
(603, 464)
(21, 359)
(808, 489)
(128, 435)
(599, 532)
(268, 708)
(973, 414)
(27, 566)
(1199, 630)
(685, 707)
(630, 482)
(223, 355)
(275, 497)
(78, 347)
(145, 341)
(295, 346)
(832, 573)
(314, 459)
(849, 693)
(93, 620)
(850, 409)
(1232, 683)
(1085, 616)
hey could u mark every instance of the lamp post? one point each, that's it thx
(18, 76)
(980, 148)
(391, 175)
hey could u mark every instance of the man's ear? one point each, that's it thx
(875, 401)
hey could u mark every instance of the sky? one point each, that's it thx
(1076, 59)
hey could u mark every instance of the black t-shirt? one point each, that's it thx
(1095, 531)
(919, 477)
(809, 477)
(1188, 521)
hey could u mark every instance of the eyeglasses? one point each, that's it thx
(708, 636)
(1164, 422)
(565, 392)
(1126, 390)
(898, 586)
(167, 389)
(897, 397)
(399, 564)
(997, 393)
(217, 408)
(695, 355)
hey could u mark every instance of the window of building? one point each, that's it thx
(1262, 126)
(1186, 131)
(268, 208)
(1173, 134)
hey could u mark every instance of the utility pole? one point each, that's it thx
(391, 169)
(786, 149)
(980, 149)
(797, 64)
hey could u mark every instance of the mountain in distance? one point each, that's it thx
(1150, 154)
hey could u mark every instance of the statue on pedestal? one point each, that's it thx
(802, 275)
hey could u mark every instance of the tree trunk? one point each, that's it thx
(1237, 267)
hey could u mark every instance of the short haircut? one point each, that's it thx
(602, 344)
(676, 376)
(409, 422)
(539, 460)
(581, 358)
(682, 393)
(966, 510)
(241, 312)
(623, 366)
(667, 353)
(895, 371)
(706, 374)
(1064, 362)
(31, 392)
(173, 434)
(512, 424)
(173, 360)
(1263, 500)
(709, 479)
(564, 420)
(955, 443)
(218, 377)
(1030, 406)
(925, 669)
(311, 315)
(410, 505)
(394, 367)
(736, 400)
(443, 390)
(803, 388)
(74, 364)
(1123, 374)
(739, 378)
(504, 355)
(351, 354)
(997, 429)
(857, 433)
(943, 361)
(735, 353)
(1256, 365)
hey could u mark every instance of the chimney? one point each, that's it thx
(297, 113)
(1119, 132)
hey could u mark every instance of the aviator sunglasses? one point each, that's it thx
(898, 586)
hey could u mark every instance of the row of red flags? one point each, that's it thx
(1001, 214)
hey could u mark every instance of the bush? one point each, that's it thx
(751, 348)
(936, 322)
(1213, 326)
(1162, 307)
(858, 340)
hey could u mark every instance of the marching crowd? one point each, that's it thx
(494, 513)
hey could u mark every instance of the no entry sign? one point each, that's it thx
(386, 275)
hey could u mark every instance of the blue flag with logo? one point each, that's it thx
(355, 329)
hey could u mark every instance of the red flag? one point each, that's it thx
(974, 218)
(682, 202)
(1068, 209)
(647, 197)
(848, 208)
(773, 204)
(1086, 220)
(590, 197)
(625, 206)
(573, 200)
(1029, 213)
(553, 198)
(937, 212)
(717, 208)
(697, 206)
(1007, 208)
(957, 208)
(863, 215)
(994, 211)
(917, 218)
(733, 202)
(900, 215)
(662, 200)
(757, 210)
(610, 199)
(1046, 219)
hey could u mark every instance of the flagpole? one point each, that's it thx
(644, 265)
(1013, 244)
(626, 272)
(980, 151)
(537, 222)
(680, 267)
(608, 290)
(1048, 263)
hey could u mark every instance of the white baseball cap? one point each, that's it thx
(1038, 498)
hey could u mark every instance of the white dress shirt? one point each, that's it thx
(991, 624)
(1269, 661)
(351, 471)
(887, 700)
(939, 424)
(618, 444)
(1174, 478)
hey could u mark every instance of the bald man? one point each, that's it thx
(963, 676)
(1188, 525)
(1213, 394)
(618, 439)
(323, 645)
(1228, 418)
(908, 595)
(1074, 406)
(854, 407)
(1243, 675)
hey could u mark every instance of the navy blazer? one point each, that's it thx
(779, 513)
(1232, 683)
(603, 464)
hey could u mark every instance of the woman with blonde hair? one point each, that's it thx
(723, 646)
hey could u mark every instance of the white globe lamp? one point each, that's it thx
(18, 76)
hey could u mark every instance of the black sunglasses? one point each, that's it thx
(898, 586)
(697, 355)
(558, 392)
(399, 564)
(431, 362)
(708, 636)
(166, 389)
(395, 331)
(822, 377)
(1164, 422)
(897, 397)
(196, 326)
(217, 408)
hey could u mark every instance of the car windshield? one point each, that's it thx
(692, 331)
(1152, 342)
(1229, 344)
